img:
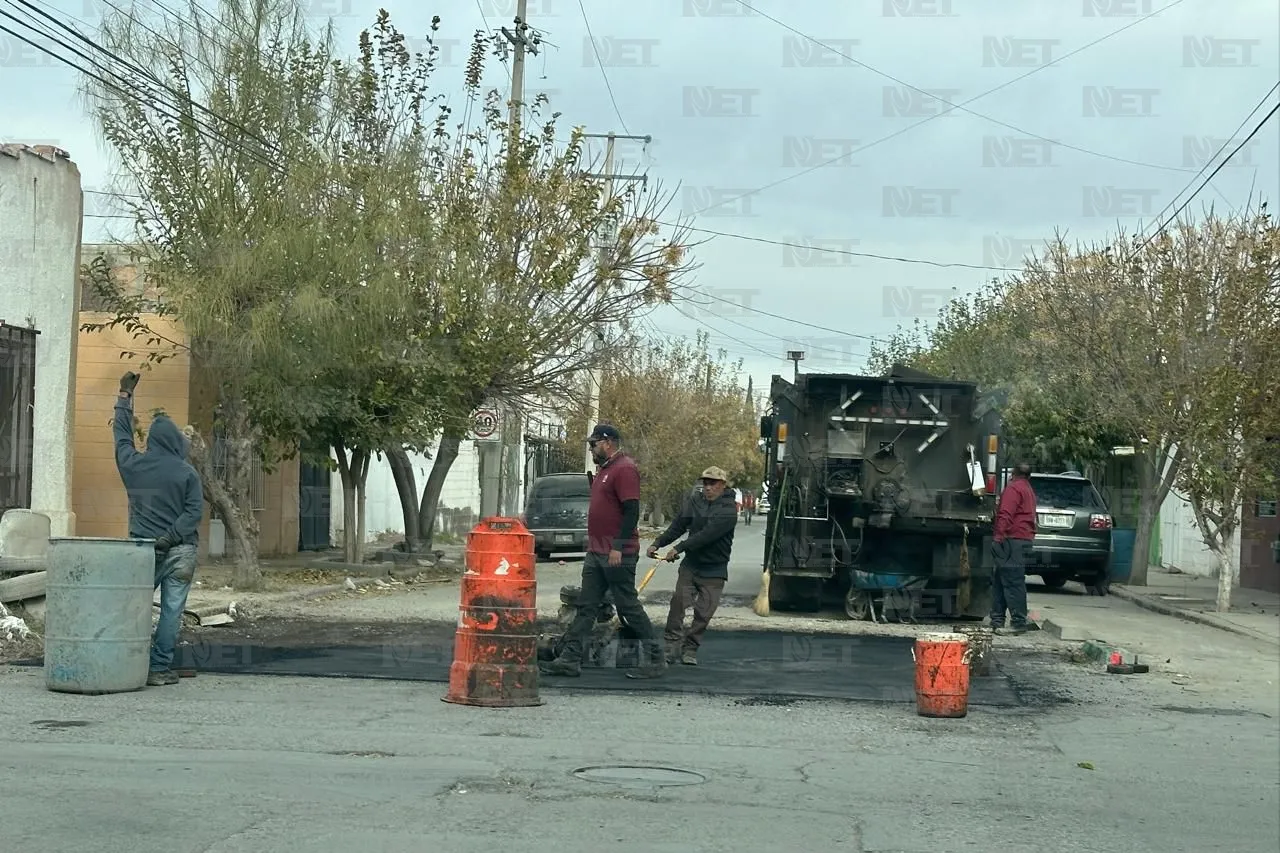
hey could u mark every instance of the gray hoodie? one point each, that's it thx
(166, 496)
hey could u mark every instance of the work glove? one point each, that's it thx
(652, 553)
(165, 542)
(129, 381)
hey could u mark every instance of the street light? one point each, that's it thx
(795, 356)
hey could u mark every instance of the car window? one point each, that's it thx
(1066, 493)
(562, 488)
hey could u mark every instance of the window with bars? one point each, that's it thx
(1264, 508)
(17, 411)
(256, 476)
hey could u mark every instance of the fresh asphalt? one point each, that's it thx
(1185, 761)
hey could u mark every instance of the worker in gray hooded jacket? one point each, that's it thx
(710, 517)
(166, 503)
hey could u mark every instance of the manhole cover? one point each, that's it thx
(640, 777)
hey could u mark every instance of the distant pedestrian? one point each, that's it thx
(710, 520)
(613, 550)
(166, 503)
(1013, 534)
(748, 505)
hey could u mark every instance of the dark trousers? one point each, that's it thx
(703, 594)
(598, 577)
(1009, 583)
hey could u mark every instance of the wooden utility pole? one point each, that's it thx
(594, 378)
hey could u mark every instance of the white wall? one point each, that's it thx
(1181, 545)
(40, 225)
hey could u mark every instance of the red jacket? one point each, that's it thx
(1016, 511)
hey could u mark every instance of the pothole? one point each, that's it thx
(639, 776)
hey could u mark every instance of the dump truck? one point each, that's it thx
(883, 491)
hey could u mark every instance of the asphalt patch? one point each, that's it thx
(763, 666)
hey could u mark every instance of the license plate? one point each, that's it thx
(564, 538)
(1056, 521)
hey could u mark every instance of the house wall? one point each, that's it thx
(40, 218)
(1259, 529)
(1183, 547)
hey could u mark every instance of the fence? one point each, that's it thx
(256, 484)
(17, 411)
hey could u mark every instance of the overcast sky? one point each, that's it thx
(736, 102)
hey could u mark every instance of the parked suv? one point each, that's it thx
(556, 513)
(1073, 532)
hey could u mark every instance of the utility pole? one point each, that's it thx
(500, 460)
(606, 247)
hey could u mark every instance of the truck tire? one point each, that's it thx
(857, 604)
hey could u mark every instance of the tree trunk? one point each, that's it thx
(407, 489)
(354, 470)
(1156, 473)
(230, 497)
(1226, 572)
(450, 441)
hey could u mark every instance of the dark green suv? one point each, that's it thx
(1073, 533)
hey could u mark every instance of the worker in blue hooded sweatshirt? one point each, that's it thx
(166, 503)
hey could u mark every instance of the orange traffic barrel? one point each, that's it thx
(495, 649)
(942, 675)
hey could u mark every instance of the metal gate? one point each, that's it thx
(314, 497)
(17, 410)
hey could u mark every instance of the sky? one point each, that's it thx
(1106, 117)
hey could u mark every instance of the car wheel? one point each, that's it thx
(1053, 581)
(857, 605)
(542, 555)
(1098, 586)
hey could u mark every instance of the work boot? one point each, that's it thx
(689, 657)
(655, 665)
(672, 653)
(561, 667)
(159, 678)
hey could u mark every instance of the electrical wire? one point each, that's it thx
(872, 255)
(604, 74)
(1220, 165)
(781, 316)
(730, 337)
(964, 103)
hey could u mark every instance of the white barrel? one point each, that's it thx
(98, 614)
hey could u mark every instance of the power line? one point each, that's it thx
(787, 340)
(608, 87)
(780, 316)
(1230, 137)
(1217, 169)
(724, 334)
(966, 102)
(872, 255)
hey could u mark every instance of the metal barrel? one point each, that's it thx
(98, 614)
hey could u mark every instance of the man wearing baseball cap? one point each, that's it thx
(710, 519)
(613, 549)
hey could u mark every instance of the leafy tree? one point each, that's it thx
(504, 269)
(680, 408)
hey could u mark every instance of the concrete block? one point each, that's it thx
(24, 534)
(1065, 631)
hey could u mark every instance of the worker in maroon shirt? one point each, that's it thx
(613, 549)
(1015, 529)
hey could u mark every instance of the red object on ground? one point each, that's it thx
(942, 675)
(495, 649)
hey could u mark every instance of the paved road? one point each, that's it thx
(263, 764)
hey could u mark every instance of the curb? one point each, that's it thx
(1148, 603)
(337, 587)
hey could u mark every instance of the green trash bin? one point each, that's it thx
(1122, 542)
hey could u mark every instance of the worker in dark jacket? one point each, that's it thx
(166, 503)
(710, 519)
(1014, 531)
(613, 550)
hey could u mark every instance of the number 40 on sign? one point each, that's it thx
(484, 425)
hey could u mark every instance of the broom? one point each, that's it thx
(761, 606)
(616, 622)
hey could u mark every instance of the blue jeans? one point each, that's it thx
(175, 569)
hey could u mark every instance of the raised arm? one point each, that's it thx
(122, 425)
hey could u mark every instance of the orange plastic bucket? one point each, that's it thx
(942, 675)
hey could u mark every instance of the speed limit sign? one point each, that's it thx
(485, 424)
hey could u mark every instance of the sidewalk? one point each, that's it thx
(1253, 613)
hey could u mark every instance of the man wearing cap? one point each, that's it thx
(613, 549)
(710, 519)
